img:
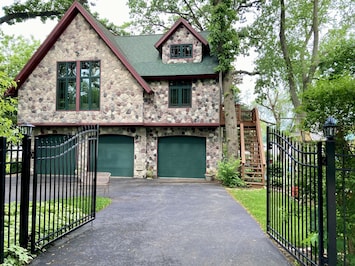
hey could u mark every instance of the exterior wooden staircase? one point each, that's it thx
(252, 154)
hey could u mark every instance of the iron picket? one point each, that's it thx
(64, 185)
(310, 199)
(292, 191)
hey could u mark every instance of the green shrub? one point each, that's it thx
(228, 173)
(16, 255)
(13, 166)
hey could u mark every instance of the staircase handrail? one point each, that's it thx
(260, 139)
(242, 148)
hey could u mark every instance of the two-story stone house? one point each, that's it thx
(156, 98)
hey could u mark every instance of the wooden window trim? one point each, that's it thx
(180, 86)
(77, 84)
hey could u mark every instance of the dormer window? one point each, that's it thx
(181, 51)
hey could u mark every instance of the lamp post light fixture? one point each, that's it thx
(26, 129)
(330, 128)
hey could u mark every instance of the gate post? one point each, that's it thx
(25, 189)
(2, 194)
(320, 164)
(331, 201)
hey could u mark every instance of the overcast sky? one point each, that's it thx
(114, 10)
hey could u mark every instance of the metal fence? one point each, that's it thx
(345, 204)
(310, 199)
(11, 157)
(57, 196)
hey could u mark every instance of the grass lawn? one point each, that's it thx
(293, 217)
(254, 201)
(102, 203)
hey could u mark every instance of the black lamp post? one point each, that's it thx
(26, 129)
(330, 128)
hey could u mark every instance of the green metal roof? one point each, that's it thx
(146, 60)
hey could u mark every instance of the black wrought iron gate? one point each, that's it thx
(50, 197)
(311, 199)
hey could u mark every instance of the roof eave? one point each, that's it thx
(53, 37)
(180, 21)
(187, 76)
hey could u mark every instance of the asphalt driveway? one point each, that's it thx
(157, 222)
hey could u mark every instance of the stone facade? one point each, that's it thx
(121, 97)
(146, 143)
(125, 108)
(204, 106)
(182, 36)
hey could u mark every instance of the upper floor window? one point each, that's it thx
(78, 85)
(181, 51)
(180, 94)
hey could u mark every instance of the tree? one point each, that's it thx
(289, 33)
(8, 109)
(275, 106)
(158, 15)
(221, 19)
(224, 44)
(15, 52)
(337, 55)
(335, 97)
(20, 12)
(333, 94)
(30, 9)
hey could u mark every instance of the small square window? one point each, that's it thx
(181, 51)
(180, 94)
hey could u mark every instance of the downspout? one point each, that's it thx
(220, 81)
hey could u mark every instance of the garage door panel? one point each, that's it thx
(116, 155)
(57, 158)
(182, 157)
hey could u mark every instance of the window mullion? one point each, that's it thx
(180, 96)
(78, 85)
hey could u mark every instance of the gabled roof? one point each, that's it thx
(68, 17)
(146, 60)
(177, 24)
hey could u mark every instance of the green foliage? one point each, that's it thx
(8, 110)
(338, 55)
(223, 38)
(345, 202)
(334, 97)
(20, 11)
(158, 15)
(15, 52)
(302, 50)
(59, 212)
(228, 173)
(16, 255)
(13, 167)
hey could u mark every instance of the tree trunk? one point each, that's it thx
(232, 139)
(289, 68)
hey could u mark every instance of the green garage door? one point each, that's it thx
(55, 155)
(182, 157)
(116, 155)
